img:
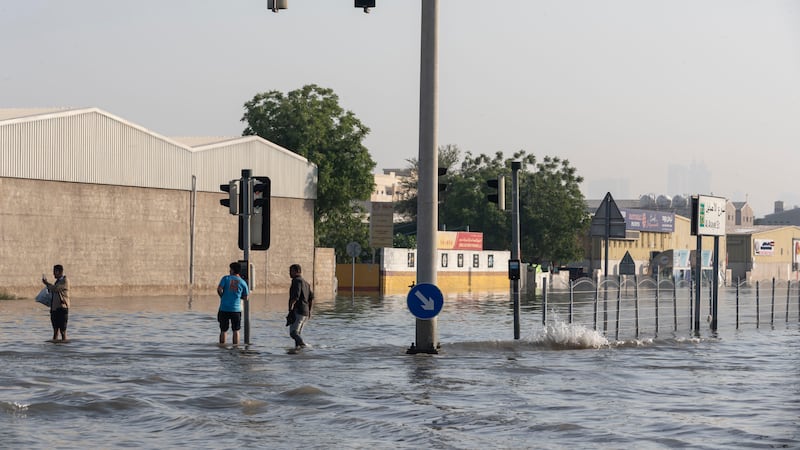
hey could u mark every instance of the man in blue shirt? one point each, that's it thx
(232, 290)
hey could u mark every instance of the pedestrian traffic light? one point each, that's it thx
(500, 197)
(232, 202)
(259, 221)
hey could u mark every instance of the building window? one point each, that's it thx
(476, 260)
(410, 260)
(460, 260)
(444, 259)
(490, 261)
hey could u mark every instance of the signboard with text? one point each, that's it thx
(763, 247)
(459, 240)
(708, 216)
(381, 225)
(653, 221)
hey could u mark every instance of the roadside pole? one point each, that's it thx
(427, 339)
(515, 246)
(247, 190)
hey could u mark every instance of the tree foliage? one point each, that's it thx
(310, 122)
(552, 207)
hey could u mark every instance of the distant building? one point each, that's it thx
(651, 243)
(739, 214)
(781, 216)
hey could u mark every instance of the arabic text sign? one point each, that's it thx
(710, 215)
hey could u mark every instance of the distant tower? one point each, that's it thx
(778, 206)
(677, 178)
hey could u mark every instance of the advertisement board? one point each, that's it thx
(796, 254)
(653, 221)
(459, 240)
(763, 247)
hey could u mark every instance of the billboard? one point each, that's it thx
(459, 240)
(653, 221)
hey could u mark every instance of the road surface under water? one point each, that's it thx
(147, 372)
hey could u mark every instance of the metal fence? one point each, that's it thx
(631, 306)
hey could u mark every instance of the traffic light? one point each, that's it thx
(500, 197)
(259, 221)
(442, 172)
(366, 4)
(232, 202)
(275, 5)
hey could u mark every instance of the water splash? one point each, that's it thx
(562, 335)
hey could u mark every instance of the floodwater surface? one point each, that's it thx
(148, 372)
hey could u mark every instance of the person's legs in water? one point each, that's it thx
(236, 325)
(296, 328)
(223, 326)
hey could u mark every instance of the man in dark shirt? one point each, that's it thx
(59, 308)
(301, 300)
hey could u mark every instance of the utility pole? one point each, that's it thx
(427, 336)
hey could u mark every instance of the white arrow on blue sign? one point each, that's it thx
(425, 301)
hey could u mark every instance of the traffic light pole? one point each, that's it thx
(515, 246)
(247, 190)
(427, 339)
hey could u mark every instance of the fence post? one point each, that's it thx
(738, 283)
(619, 302)
(674, 303)
(772, 306)
(692, 287)
(571, 299)
(636, 303)
(657, 286)
(758, 304)
(788, 291)
(544, 301)
(596, 297)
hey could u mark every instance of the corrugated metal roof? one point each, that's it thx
(15, 113)
(755, 229)
(195, 141)
(92, 146)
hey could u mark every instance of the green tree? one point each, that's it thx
(552, 207)
(310, 122)
(552, 212)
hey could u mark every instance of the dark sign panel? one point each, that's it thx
(653, 221)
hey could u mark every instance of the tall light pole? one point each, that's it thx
(427, 337)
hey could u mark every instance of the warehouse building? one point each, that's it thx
(130, 212)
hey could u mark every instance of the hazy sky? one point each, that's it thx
(622, 89)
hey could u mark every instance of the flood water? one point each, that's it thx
(148, 373)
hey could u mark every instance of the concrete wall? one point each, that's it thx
(118, 240)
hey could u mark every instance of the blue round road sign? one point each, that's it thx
(425, 301)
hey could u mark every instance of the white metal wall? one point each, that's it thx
(93, 146)
(291, 175)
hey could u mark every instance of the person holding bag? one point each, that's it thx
(59, 306)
